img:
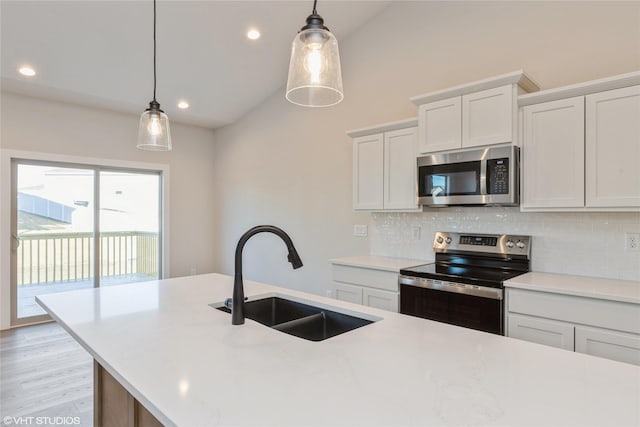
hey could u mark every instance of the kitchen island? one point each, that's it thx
(187, 365)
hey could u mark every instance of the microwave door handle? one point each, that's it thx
(483, 177)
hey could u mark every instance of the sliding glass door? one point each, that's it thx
(52, 234)
(130, 237)
(80, 226)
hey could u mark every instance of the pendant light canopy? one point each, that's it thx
(315, 78)
(153, 131)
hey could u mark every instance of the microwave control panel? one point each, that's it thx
(498, 176)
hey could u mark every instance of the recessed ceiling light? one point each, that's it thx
(27, 71)
(183, 105)
(253, 34)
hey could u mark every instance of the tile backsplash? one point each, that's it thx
(581, 243)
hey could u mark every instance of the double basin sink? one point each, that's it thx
(301, 320)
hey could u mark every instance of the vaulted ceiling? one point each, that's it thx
(100, 53)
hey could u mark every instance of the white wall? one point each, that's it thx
(36, 125)
(291, 166)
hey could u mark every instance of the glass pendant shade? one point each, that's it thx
(315, 77)
(153, 131)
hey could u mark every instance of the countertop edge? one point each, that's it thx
(375, 262)
(544, 282)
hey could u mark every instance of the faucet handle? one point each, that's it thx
(229, 302)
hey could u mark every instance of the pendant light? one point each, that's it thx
(315, 79)
(153, 132)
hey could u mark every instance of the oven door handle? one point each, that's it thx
(458, 288)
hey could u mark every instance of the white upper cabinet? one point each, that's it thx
(612, 148)
(488, 116)
(440, 127)
(400, 169)
(471, 115)
(384, 167)
(368, 171)
(581, 146)
(552, 155)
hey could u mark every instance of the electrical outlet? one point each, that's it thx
(632, 242)
(360, 230)
(194, 271)
(415, 232)
(329, 293)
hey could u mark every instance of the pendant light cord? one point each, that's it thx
(154, 50)
(315, 2)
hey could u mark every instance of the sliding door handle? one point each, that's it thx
(15, 243)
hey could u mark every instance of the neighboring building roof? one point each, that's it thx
(30, 222)
(44, 207)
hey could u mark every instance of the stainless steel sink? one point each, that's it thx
(299, 319)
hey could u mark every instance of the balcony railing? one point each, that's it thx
(62, 257)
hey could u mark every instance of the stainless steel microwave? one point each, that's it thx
(485, 176)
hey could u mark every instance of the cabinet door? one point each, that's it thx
(541, 331)
(368, 169)
(488, 117)
(553, 154)
(380, 299)
(613, 148)
(349, 293)
(400, 182)
(609, 344)
(440, 125)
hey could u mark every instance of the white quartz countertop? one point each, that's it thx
(590, 287)
(187, 364)
(379, 262)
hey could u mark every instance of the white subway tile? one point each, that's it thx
(582, 243)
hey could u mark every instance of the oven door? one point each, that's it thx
(481, 310)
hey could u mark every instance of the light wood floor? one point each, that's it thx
(44, 373)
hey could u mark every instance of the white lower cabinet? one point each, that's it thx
(346, 292)
(541, 331)
(614, 345)
(603, 328)
(367, 286)
(377, 298)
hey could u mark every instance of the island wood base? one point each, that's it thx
(114, 406)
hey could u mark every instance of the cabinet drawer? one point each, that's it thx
(349, 293)
(609, 344)
(541, 331)
(383, 300)
(379, 279)
(587, 311)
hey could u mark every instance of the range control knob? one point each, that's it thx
(439, 239)
(520, 244)
(509, 244)
(448, 240)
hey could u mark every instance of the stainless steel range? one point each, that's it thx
(464, 286)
